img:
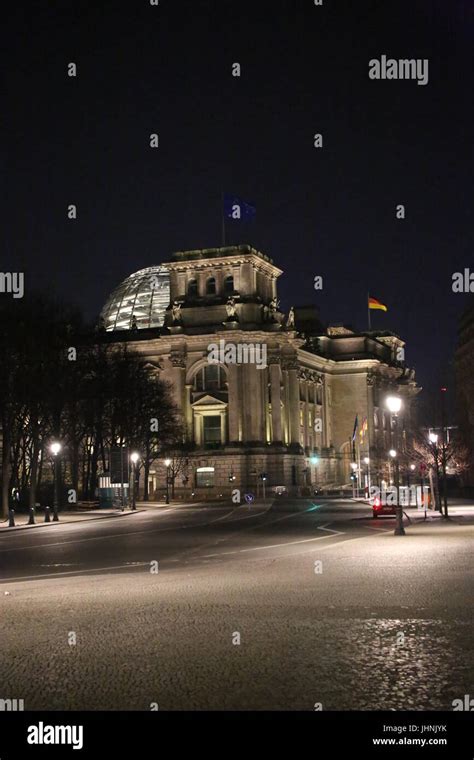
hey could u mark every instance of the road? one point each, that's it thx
(285, 606)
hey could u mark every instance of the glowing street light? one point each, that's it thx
(55, 449)
(394, 405)
(167, 464)
(433, 438)
(134, 457)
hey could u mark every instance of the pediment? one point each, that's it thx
(207, 400)
(155, 366)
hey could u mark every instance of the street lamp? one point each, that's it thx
(392, 454)
(368, 484)
(433, 438)
(134, 457)
(412, 468)
(167, 463)
(354, 479)
(394, 404)
(55, 449)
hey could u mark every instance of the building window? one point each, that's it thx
(209, 378)
(192, 288)
(376, 418)
(319, 395)
(229, 285)
(310, 419)
(211, 286)
(205, 477)
(212, 429)
(301, 418)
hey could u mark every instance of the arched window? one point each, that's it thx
(211, 286)
(229, 285)
(192, 288)
(212, 377)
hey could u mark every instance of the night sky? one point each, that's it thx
(330, 212)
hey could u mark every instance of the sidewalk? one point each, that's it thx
(71, 516)
(21, 519)
(458, 509)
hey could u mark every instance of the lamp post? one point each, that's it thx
(134, 457)
(367, 476)
(55, 449)
(411, 468)
(433, 438)
(393, 455)
(394, 404)
(354, 478)
(167, 463)
(444, 440)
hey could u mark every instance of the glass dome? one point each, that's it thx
(140, 301)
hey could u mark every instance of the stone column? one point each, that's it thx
(198, 431)
(303, 378)
(275, 381)
(178, 362)
(326, 415)
(254, 401)
(223, 428)
(234, 407)
(201, 279)
(236, 273)
(219, 275)
(286, 406)
(370, 409)
(273, 287)
(188, 413)
(319, 411)
(294, 401)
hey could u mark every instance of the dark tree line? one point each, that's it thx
(60, 381)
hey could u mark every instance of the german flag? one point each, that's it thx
(374, 304)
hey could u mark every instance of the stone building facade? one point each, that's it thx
(262, 393)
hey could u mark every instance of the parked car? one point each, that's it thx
(382, 509)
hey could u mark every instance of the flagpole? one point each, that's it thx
(223, 218)
(359, 474)
(368, 311)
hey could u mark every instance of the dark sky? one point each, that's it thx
(330, 212)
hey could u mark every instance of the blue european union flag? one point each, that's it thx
(237, 209)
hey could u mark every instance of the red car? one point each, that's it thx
(382, 509)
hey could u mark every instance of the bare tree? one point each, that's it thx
(434, 454)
